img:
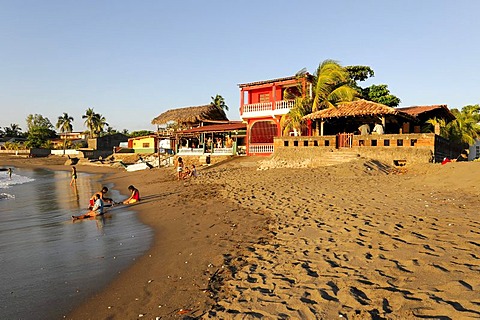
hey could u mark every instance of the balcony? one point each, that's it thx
(266, 109)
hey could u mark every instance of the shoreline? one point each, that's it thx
(193, 234)
(359, 240)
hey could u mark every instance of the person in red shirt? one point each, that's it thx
(134, 197)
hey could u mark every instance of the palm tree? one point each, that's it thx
(293, 120)
(331, 86)
(13, 130)
(464, 129)
(219, 102)
(100, 123)
(64, 124)
(90, 120)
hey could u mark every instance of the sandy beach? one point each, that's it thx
(358, 240)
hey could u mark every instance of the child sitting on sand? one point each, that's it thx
(97, 209)
(134, 197)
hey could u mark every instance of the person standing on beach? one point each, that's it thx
(73, 181)
(180, 166)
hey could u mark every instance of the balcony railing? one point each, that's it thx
(260, 148)
(199, 151)
(283, 106)
(255, 107)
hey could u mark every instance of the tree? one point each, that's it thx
(464, 129)
(64, 124)
(293, 120)
(380, 94)
(89, 117)
(375, 93)
(13, 131)
(101, 122)
(331, 86)
(94, 122)
(140, 133)
(40, 130)
(219, 102)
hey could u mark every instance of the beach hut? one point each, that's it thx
(348, 116)
(190, 117)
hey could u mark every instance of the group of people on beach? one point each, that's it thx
(184, 172)
(99, 201)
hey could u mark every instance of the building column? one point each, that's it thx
(242, 98)
(274, 96)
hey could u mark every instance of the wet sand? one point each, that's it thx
(356, 241)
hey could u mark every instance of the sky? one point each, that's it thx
(133, 60)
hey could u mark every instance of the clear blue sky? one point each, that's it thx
(132, 60)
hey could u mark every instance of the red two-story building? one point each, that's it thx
(262, 105)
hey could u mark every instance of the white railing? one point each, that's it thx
(222, 150)
(260, 148)
(284, 104)
(255, 107)
(187, 151)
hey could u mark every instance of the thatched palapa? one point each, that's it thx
(358, 108)
(190, 115)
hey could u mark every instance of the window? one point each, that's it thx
(412, 142)
(264, 97)
(399, 143)
(386, 143)
(374, 143)
(327, 143)
(315, 143)
(285, 143)
(305, 143)
(295, 143)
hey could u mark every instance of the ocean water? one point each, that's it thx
(48, 264)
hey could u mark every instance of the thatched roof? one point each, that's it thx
(357, 108)
(191, 115)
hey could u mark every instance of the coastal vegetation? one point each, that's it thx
(219, 102)
(332, 85)
(464, 129)
(95, 122)
(40, 131)
(64, 124)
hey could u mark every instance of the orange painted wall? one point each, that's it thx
(254, 94)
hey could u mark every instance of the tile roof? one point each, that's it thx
(357, 108)
(417, 110)
(256, 83)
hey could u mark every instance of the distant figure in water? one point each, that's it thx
(9, 172)
(97, 209)
(74, 176)
(134, 197)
